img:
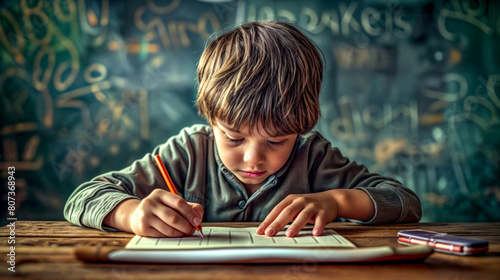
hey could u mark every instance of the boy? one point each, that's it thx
(259, 90)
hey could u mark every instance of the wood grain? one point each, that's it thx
(44, 250)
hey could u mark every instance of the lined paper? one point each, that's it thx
(228, 237)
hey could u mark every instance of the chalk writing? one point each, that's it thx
(341, 20)
(463, 11)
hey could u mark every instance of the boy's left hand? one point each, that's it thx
(315, 208)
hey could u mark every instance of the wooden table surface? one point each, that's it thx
(43, 250)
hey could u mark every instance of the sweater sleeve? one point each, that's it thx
(89, 204)
(329, 169)
(92, 201)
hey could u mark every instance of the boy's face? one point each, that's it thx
(252, 155)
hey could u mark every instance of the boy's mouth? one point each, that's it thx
(252, 174)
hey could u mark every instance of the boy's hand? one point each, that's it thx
(164, 214)
(316, 208)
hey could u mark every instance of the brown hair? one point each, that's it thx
(266, 72)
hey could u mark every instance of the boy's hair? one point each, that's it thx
(266, 72)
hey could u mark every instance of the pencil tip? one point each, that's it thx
(202, 235)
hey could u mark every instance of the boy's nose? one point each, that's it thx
(253, 155)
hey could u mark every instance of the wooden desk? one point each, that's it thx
(44, 251)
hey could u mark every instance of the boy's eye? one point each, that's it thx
(273, 143)
(233, 141)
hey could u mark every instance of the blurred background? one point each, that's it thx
(411, 90)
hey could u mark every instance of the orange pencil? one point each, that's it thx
(170, 184)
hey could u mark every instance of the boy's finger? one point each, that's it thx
(301, 220)
(285, 216)
(173, 221)
(289, 213)
(198, 208)
(181, 206)
(271, 217)
(151, 232)
(319, 225)
(169, 230)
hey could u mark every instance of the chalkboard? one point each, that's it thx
(411, 89)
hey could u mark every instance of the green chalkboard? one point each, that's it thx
(411, 89)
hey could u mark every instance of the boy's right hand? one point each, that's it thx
(164, 214)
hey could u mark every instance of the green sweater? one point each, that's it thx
(193, 162)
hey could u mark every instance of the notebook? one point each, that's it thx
(243, 245)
